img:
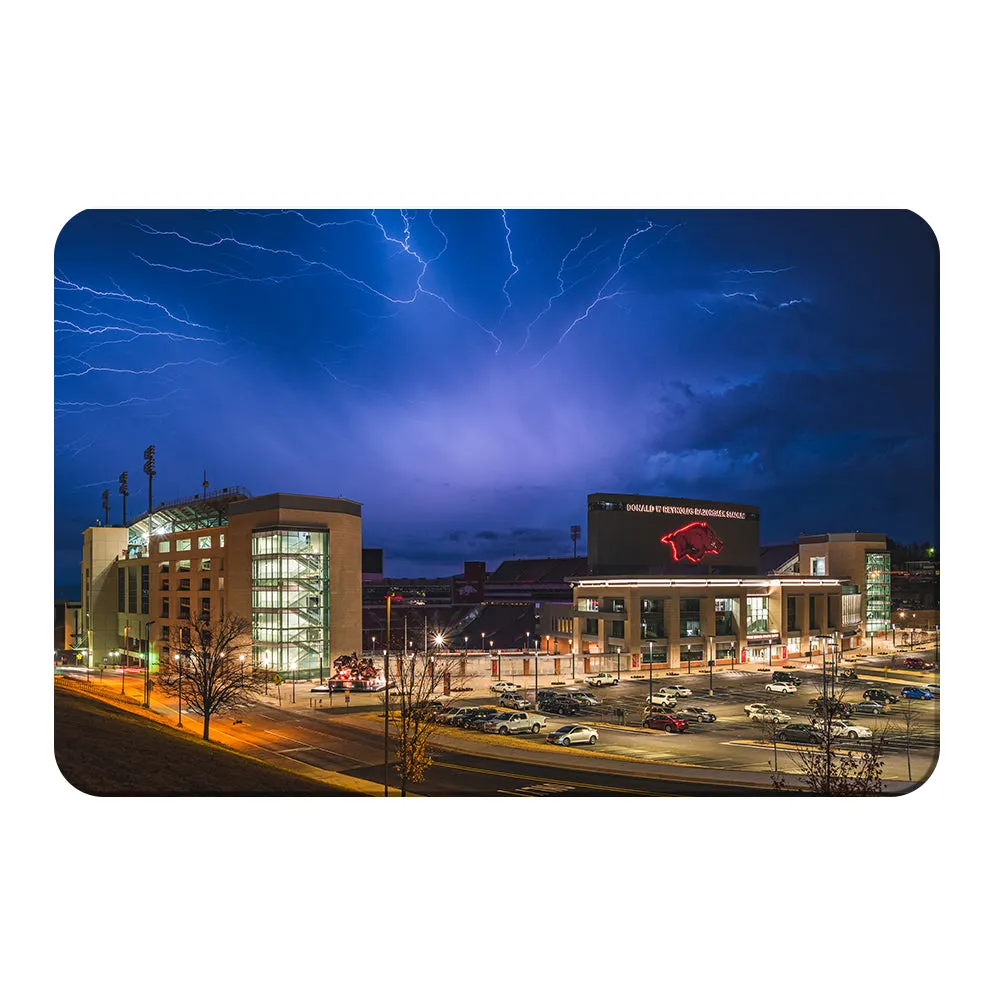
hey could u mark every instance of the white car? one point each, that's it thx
(662, 700)
(676, 691)
(841, 730)
(503, 686)
(935, 689)
(767, 713)
(565, 735)
(602, 679)
(780, 687)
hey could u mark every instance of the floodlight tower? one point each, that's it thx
(123, 490)
(150, 469)
(574, 533)
(106, 504)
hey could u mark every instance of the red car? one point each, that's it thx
(914, 663)
(668, 723)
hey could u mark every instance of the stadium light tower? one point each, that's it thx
(106, 504)
(123, 490)
(150, 469)
(574, 533)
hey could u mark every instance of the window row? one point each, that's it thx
(184, 565)
(205, 583)
(184, 544)
(184, 608)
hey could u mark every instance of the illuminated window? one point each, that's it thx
(588, 604)
(757, 614)
(206, 565)
(222, 541)
(164, 567)
(164, 546)
(183, 544)
(204, 541)
(817, 566)
(690, 609)
(183, 565)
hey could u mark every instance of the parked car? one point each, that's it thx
(831, 706)
(780, 687)
(444, 716)
(694, 714)
(917, 692)
(800, 727)
(880, 694)
(456, 717)
(935, 689)
(502, 686)
(601, 680)
(783, 676)
(840, 729)
(791, 734)
(544, 694)
(476, 716)
(870, 708)
(677, 690)
(768, 713)
(514, 722)
(661, 699)
(513, 700)
(565, 735)
(668, 723)
(583, 697)
(478, 721)
(747, 709)
(563, 705)
(914, 663)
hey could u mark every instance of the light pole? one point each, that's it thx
(711, 663)
(536, 673)
(293, 668)
(243, 676)
(527, 640)
(483, 634)
(498, 660)
(145, 692)
(126, 658)
(177, 662)
(385, 654)
(650, 677)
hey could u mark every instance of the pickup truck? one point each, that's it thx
(515, 722)
(600, 680)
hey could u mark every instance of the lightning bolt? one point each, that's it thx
(603, 295)
(89, 368)
(762, 270)
(121, 296)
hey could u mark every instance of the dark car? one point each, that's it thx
(871, 708)
(880, 694)
(668, 723)
(477, 715)
(831, 706)
(562, 705)
(693, 714)
(546, 694)
(784, 677)
(798, 733)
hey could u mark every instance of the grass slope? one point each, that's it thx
(104, 750)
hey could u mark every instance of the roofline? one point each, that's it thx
(718, 581)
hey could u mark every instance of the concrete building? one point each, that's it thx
(677, 581)
(290, 564)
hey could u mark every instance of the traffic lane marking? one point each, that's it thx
(532, 777)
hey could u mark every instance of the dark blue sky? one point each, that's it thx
(469, 376)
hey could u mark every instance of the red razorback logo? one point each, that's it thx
(693, 542)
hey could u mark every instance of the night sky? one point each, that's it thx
(469, 376)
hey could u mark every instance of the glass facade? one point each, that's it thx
(725, 616)
(651, 619)
(290, 599)
(756, 615)
(690, 608)
(878, 603)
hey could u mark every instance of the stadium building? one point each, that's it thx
(288, 563)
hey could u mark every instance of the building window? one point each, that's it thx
(204, 541)
(145, 590)
(184, 608)
(690, 608)
(616, 605)
(206, 565)
(165, 546)
(617, 629)
(817, 566)
(850, 610)
(813, 615)
(133, 588)
(206, 607)
(183, 544)
(588, 604)
(165, 634)
(725, 616)
(165, 583)
(205, 583)
(878, 598)
(184, 584)
(651, 619)
(165, 608)
(164, 567)
(757, 614)
(185, 637)
(222, 541)
(183, 565)
(590, 626)
(792, 605)
(121, 590)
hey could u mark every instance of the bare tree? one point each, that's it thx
(417, 680)
(214, 673)
(906, 711)
(768, 729)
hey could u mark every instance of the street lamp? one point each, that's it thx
(651, 677)
(293, 667)
(536, 673)
(483, 634)
(498, 661)
(126, 661)
(145, 692)
(527, 639)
